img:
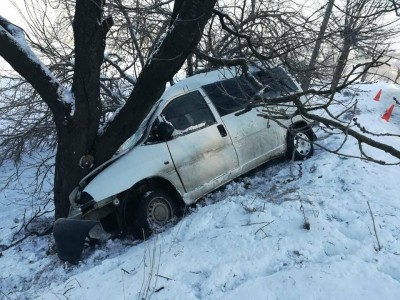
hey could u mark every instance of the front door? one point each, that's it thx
(201, 149)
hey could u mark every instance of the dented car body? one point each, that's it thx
(200, 135)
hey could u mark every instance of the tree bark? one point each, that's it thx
(78, 131)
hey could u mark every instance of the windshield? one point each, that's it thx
(137, 136)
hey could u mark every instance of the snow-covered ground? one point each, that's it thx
(246, 241)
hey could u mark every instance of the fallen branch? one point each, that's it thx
(28, 232)
(262, 228)
(32, 233)
(5, 295)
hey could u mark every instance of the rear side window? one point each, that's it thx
(234, 94)
(188, 112)
(278, 80)
(230, 95)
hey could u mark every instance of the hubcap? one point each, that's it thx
(159, 211)
(302, 144)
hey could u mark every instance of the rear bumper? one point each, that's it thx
(70, 236)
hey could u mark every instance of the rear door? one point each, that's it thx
(201, 149)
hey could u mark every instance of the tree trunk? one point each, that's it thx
(342, 60)
(77, 133)
(365, 73)
(348, 41)
(305, 84)
(397, 75)
(67, 173)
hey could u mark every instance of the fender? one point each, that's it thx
(143, 161)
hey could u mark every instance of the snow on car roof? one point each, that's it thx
(197, 81)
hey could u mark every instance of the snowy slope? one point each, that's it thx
(247, 240)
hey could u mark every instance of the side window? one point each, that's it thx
(278, 80)
(188, 112)
(230, 95)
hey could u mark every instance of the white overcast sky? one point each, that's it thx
(8, 11)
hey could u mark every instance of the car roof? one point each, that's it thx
(197, 81)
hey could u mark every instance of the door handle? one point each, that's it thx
(222, 130)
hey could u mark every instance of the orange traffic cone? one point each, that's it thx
(378, 96)
(388, 113)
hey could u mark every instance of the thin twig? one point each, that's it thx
(257, 223)
(262, 227)
(5, 295)
(373, 222)
(167, 278)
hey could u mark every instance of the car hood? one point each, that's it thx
(120, 174)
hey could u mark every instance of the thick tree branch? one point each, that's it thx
(169, 55)
(348, 131)
(14, 49)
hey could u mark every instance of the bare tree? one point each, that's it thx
(77, 112)
(361, 29)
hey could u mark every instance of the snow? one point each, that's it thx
(246, 240)
(189, 129)
(67, 97)
(17, 36)
(199, 80)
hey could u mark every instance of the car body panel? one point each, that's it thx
(202, 156)
(254, 138)
(143, 161)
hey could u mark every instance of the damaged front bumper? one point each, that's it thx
(70, 236)
(83, 224)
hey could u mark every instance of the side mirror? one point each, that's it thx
(163, 131)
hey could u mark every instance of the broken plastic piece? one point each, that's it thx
(70, 235)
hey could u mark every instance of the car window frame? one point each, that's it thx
(178, 133)
(234, 96)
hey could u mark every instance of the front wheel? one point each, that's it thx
(154, 211)
(300, 144)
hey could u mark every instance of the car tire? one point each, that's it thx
(155, 209)
(300, 144)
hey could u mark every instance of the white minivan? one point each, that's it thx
(203, 132)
